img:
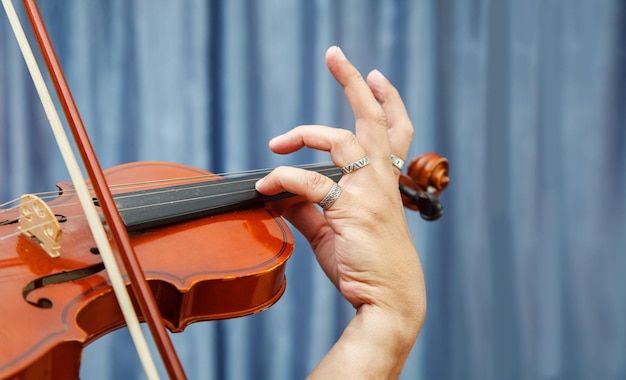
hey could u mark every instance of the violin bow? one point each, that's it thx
(140, 287)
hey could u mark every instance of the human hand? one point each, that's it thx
(362, 240)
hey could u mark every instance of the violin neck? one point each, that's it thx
(153, 208)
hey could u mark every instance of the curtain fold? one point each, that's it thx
(525, 271)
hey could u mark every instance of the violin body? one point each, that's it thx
(214, 267)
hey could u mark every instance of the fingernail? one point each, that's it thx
(378, 74)
(259, 183)
(275, 138)
(340, 52)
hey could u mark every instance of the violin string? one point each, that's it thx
(42, 195)
(210, 176)
(189, 180)
(53, 194)
(4, 207)
(192, 179)
(167, 181)
(206, 185)
(19, 231)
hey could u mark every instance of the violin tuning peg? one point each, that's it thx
(426, 178)
(429, 205)
(426, 203)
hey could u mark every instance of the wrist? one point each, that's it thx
(394, 331)
(375, 344)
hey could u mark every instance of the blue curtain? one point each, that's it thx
(526, 272)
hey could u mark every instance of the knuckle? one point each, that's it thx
(394, 93)
(314, 181)
(346, 137)
(380, 119)
(410, 131)
(377, 117)
(356, 77)
(280, 171)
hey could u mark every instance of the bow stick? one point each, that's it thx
(139, 285)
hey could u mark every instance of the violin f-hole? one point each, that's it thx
(57, 278)
(9, 221)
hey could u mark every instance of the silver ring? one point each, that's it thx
(331, 197)
(397, 162)
(358, 164)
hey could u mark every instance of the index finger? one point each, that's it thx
(371, 121)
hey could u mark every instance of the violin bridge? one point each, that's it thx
(38, 222)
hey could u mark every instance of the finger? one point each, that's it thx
(371, 122)
(342, 144)
(310, 185)
(400, 128)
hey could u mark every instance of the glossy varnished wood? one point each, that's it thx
(216, 267)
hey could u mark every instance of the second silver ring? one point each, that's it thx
(356, 165)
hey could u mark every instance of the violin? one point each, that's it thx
(195, 246)
(218, 254)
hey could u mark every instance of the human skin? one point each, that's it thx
(362, 242)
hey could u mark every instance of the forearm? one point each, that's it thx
(375, 345)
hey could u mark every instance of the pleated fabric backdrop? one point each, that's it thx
(526, 272)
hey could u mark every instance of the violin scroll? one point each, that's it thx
(427, 176)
